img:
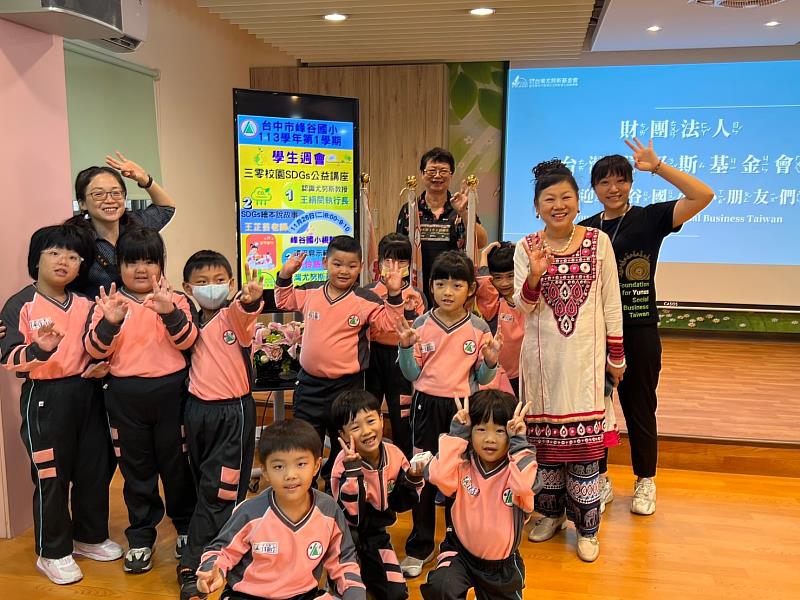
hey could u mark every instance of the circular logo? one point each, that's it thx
(314, 550)
(390, 486)
(508, 497)
(353, 321)
(638, 269)
(229, 337)
(470, 346)
(249, 128)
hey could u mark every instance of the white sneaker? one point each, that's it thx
(606, 493)
(412, 567)
(104, 551)
(588, 548)
(644, 496)
(60, 570)
(547, 527)
(180, 545)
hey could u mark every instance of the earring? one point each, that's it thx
(537, 215)
(86, 216)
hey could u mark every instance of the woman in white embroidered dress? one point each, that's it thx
(565, 281)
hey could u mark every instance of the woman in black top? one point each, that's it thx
(636, 234)
(101, 194)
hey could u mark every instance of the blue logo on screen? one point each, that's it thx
(249, 128)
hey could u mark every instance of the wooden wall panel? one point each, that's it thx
(403, 113)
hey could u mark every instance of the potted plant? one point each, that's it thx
(276, 351)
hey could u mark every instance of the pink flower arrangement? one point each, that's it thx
(278, 342)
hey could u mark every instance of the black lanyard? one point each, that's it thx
(616, 229)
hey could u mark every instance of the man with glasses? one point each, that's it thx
(442, 215)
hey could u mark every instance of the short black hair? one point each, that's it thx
(349, 403)
(501, 258)
(394, 246)
(550, 173)
(205, 258)
(613, 165)
(491, 405)
(65, 236)
(439, 155)
(140, 243)
(453, 264)
(344, 243)
(288, 435)
(84, 178)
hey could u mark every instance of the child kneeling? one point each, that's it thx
(488, 467)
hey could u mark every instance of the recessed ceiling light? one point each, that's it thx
(772, 23)
(335, 17)
(654, 28)
(482, 12)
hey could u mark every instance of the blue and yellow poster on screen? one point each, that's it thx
(296, 192)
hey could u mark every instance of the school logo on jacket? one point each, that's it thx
(229, 337)
(265, 548)
(40, 323)
(470, 346)
(353, 321)
(314, 550)
(390, 486)
(508, 497)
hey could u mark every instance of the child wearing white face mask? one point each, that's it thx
(220, 412)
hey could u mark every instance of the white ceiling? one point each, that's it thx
(413, 30)
(624, 24)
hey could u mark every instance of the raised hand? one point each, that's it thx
(485, 253)
(462, 411)
(253, 289)
(128, 168)
(539, 258)
(393, 278)
(460, 201)
(644, 157)
(516, 426)
(407, 334)
(47, 337)
(292, 265)
(491, 347)
(114, 306)
(417, 464)
(160, 299)
(96, 370)
(350, 452)
(209, 581)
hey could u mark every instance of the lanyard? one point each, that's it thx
(616, 229)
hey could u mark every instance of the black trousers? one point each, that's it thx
(65, 432)
(229, 594)
(146, 417)
(380, 568)
(384, 379)
(637, 396)
(430, 417)
(515, 385)
(220, 436)
(312, 402)
(457, 571)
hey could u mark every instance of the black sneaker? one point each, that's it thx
(188, 582)
(180, 544)
(138, 560)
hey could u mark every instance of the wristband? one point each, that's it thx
(621, 365)
(658, 166)
(147, 185)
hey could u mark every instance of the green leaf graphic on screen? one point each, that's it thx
(262, 194)
(498, 78)
(258, 158)
(463, 95)
(490, 105)
(478, 71)
(249, 128)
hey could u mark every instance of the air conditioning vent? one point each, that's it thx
(736, 3)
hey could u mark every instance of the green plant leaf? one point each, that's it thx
(463, 95)
(453, 69)
(490, 105)
(478, 71)
(452, 118)
(499, 78)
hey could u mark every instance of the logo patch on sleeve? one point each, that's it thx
(229, 337)
(508, 497)
(353, 321)
(470, 346)
(314, 550)
(265, 548)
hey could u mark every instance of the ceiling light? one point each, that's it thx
(654, 28)
(335, 17)
(482, 12)
(772, 23)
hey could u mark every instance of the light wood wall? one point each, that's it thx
(403, 113)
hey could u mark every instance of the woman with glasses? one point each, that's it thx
(101, 194)
(442, 215)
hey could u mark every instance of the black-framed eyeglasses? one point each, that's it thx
(99, 195)
(434, 172)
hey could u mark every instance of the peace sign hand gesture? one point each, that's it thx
(128, 168)
(516, 426)
(114, 307)
(539, 258)
(460, 201)
(644, 157)
(253, 289)
(160, 299)
(462, 411)
(491, 348)
(350, 452)
(407, 334)
(292, 265)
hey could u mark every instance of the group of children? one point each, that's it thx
(171, 382)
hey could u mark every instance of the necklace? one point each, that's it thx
(616, 229)
(565, 246)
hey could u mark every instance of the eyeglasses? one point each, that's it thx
(56, 255)
(434, 172)
(99, 196)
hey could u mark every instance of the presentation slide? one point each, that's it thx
(733, 125)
